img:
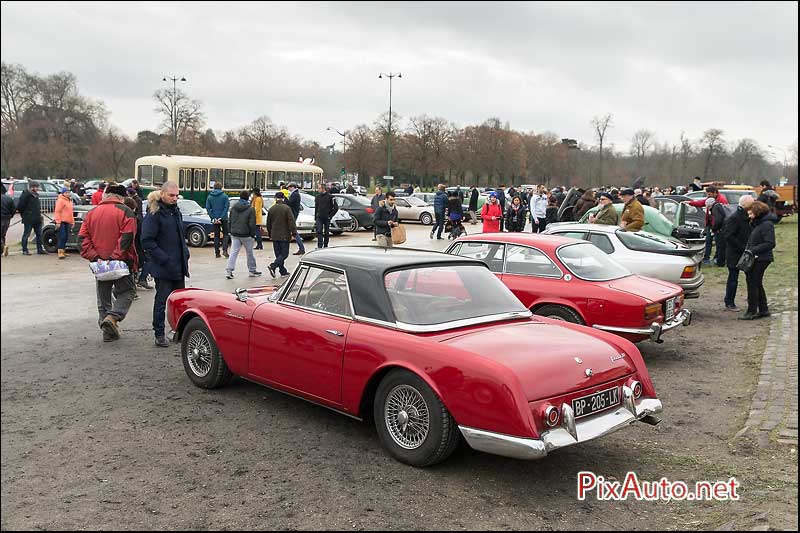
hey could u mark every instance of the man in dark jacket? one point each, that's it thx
(218, 204)
(584, 203)
(439, 208)
(108, 233)
(7, 211)
(280, 227)
(324, 208)
(30, 208)
(385, 219)
(243, 227)
(473, 204)
(294, 205)
(768, 194)
(165, 245)
(375, 203)
(736, 232)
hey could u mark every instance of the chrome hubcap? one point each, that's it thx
(199, 354)
(407, 417)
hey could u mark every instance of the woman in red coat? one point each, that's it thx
(492, 215)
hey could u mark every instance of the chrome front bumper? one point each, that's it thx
(568, 433)
(691, 288)
(655, 330)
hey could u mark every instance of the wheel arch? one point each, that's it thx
(559, 303)
(371, 387)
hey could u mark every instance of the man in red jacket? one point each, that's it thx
(97, 196)
(108, 233)
(717, 197)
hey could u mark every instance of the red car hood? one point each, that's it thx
(543, 356)
(652, 289)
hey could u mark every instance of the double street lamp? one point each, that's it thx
(344, 147)
(391, 76)
(173, 111)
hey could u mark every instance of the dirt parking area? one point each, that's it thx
(114, 436)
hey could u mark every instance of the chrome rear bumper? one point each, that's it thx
(568, 433)
(684, 317)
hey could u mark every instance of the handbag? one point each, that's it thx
(109, 270)
(398, 234)
(746, 262)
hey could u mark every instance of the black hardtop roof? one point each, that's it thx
(381, 259)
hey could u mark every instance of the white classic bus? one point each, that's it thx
(195, 176)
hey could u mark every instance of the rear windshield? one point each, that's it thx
(588, 262)
(441, 294)
(642, 241)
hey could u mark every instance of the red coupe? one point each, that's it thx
(432, 347)
(573, 280)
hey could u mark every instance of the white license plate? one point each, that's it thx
(670, 309)
(593, 403)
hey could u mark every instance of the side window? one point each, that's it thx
(159, 175)
(488, 252)
(602, 242)
(234, 179)
(294, 290)
(145, 174)
(324, 290)
(182, 179)
(402, 203)
(456, 249)
(216, 175)
(573, 234)
(531, 262)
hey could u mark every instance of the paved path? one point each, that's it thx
(774, 407)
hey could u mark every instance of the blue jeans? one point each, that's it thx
(63, 235)
(731, 286)
(26, 233)
(299, 240)
(221, 228)
(281, 249)
(709, 244)
(323, 232)
(438, 226)
(259, 243)
(164, 288)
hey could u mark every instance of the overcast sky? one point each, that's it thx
(663, 66)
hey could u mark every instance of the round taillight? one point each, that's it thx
(636, 387)
(551, 416)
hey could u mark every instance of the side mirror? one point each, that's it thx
(241, 294)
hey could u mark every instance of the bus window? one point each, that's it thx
(277, 177)
(184, 178)
(145, 176)
(307, 178)
(216, 175)
(296, 177)
(159, 175)
(234, 179)
(251, 179)
(317, 180)
(203, 179)
(262, 179)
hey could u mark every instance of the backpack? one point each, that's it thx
(723, 212)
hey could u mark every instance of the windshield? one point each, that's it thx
(648, 242)
(190, 207)
(437, 295)
(307, 200)
(588, 262)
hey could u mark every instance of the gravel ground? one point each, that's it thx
(114, 436)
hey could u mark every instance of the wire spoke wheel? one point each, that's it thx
(198, 353)
(407, 417)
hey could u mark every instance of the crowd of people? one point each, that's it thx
(154, 245)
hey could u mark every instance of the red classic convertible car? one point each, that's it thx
(431, 346)
(572, 280)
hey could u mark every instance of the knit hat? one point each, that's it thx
(626, 192)
(116, 189)
(605, 195)
(62, 190)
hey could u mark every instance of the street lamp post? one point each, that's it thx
(785, 161)
(173, 112)
(391, 76)
(344, 147)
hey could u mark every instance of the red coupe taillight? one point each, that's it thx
(370, 210)
(551, 416)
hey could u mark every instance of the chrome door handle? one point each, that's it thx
(335, 332)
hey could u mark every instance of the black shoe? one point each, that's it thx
(765, 314)
(217, 255)
(143, 284)
(748, 316)
(731, 307)
(229, 274)
(26, 252)
(41, 252)
(225, 253)
(298, 252)
(255, 274)
(271, 270)
(162, 342)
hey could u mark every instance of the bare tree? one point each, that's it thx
(714, 147)
(745, 152)
(117, 148)
(600, 125)
(641, 142)
(686, 154)
(179, 113)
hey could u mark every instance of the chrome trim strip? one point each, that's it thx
(375, 321)
(417, 328)
(553, 439)
(684, 317)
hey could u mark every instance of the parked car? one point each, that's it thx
(655, 222)
(411, 208)
(90, 187)
(643, 253)
(306, 223)
(732, 195)
(433, 347)
(426, 197)
(668, 205)
(572, 280)
(197, 226)
(48, 192)
(360, 209)
(50, 231)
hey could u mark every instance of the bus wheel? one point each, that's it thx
(197, 237)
